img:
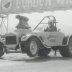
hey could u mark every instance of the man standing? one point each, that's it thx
(23, 26)
(23, 22)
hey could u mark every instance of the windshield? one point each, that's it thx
(41, 27)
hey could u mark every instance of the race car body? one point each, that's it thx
(44, 37)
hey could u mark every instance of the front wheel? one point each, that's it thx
(32, 47)
(66, 51)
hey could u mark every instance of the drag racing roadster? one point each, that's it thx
(44, 37)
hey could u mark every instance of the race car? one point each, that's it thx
(44, 37)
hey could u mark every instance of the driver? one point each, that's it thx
(51, 27)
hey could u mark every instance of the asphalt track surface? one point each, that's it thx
(17, 62)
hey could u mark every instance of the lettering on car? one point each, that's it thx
(52, 38)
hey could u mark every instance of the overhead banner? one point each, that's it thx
(22, 6)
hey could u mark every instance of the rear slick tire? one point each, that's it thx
(66, 51)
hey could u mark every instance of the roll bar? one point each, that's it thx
(54, 19)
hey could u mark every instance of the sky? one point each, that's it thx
(64, 19)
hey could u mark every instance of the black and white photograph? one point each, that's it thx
(35, 35)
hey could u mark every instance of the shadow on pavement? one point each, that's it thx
(25, 58)
(42, 59)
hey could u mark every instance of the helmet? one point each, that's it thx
(50, 22)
